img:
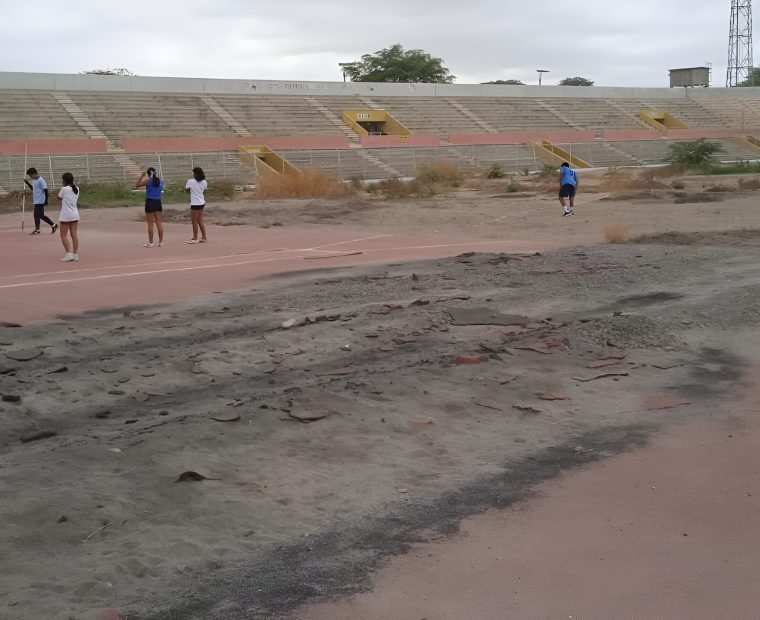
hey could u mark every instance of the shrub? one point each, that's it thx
(615, 233)
(495, 172)
(440, 173)
(678, 185)
(694, 153)
(310, 183)
(514, 187)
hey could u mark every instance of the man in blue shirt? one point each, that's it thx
(568, 184)
(40, 195)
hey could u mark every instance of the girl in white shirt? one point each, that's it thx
(69, 218)
(196, 188)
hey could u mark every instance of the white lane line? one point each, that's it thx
(332, 245)
(190, 260)
(238, 264)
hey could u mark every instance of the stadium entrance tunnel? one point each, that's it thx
(267, 162)
(553, 154)
(371, 122)
(662, 120)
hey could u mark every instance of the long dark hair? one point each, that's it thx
(152, 174)
(68, 179)
(199, 174)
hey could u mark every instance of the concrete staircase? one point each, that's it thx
(80, 118)
(226, 116)
(92, 130)
(633, 160)
(614, 104)
(379, 163)
(370, 104)
(550, 108)
(352, 136)
(472, 116)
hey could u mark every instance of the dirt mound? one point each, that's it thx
(729, 238)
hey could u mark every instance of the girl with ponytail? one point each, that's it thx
(153, 185)
(69, 218)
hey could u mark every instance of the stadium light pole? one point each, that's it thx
(343, 66)
(541, 75)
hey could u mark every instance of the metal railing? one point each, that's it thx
(103, 168)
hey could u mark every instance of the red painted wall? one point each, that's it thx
(73, 146)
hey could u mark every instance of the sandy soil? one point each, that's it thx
(105, 415)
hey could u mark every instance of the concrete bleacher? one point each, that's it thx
(691, 112)
(428, 115)
(121, 115)
(513, 114)
(304, 121)
(30, 115)
(593, 114)
(277, 115)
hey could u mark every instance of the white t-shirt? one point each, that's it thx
(197, 199)
(69, 211)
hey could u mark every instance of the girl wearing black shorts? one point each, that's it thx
(153, 185)
(197, 187)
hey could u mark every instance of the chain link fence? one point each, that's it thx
(104, 168)
(379, 163)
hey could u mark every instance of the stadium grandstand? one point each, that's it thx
(109, 128)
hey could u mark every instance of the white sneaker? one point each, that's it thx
(192, 241)
(75, 257)
(68, 258)
(160, 244)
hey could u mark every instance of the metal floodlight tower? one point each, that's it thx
(740, 43)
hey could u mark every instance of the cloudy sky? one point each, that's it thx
(613, 43)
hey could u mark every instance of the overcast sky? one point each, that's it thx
(612, 43)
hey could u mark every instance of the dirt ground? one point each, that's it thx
(244, 454)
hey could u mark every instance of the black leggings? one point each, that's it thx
(39, 215)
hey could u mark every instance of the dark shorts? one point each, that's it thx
(153, 205)
(197, 207)
(567, 191)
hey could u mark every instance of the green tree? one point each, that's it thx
(395, 64)
(118, 71)
(576, 81)
(753, 79)
(507, 82)
(694, 153)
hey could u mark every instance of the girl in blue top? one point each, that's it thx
(153, 185)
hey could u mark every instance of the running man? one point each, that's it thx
(40, 195)
(568, 185)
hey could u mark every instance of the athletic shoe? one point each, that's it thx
(203, 241)
(160, 244)
(148, 245)
(55, 227)
(68, 258)
(191, 241)
(75, 257)
(35, 232)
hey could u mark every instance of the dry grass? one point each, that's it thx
(430, 181)
(440, 173)
(749, 184)
(661, 172)
(615, 233)
(311, 183)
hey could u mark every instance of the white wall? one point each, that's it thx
(79, 82)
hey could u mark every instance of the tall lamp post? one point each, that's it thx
(541, 74)
(343, 66)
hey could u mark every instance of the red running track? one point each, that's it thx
(115, 270)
